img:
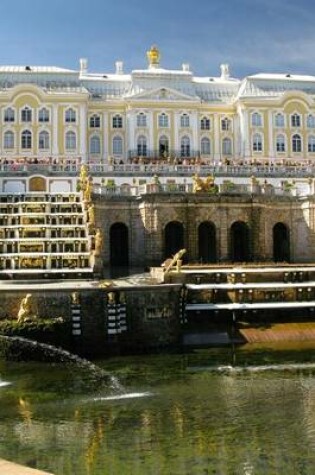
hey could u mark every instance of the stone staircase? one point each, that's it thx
(44, 235)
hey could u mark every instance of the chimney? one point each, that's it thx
(185, 66)
(83, 66)
(225, 72)
(119, 67)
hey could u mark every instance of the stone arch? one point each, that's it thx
(281, 243)
(207, 246)
(119, 244)
(240, 242)
(173, 238)
(37, 183)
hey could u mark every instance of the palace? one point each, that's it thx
(221, 166)
(54, 119)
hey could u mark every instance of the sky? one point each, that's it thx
(252, 36)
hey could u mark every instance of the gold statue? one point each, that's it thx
(205, 185)
(26, 309)
(75, 298)
(153, 56)
(87, 191)
(83, 173)
(91, 215)
(98, 242)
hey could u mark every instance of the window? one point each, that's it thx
(185, 147)
(142, 146)
(184, 120)
(117, 122)
(311, 144)
(95, 145)
(279, 120)
(205, 146)
(70, 116)
(26, 139)
(26, 114)
(225, 124)
(95, 121)
(43, 115)
(141, 120)
(296, 143)
(227, 146)
(256, 120)
(295, 120)
(280, 143)
(163, 146)
(71, 141)
(8, 139)
(9, 115)
(257, 143)
(163, 120)
(311, 121)
(43, 140)
(205, 123)
(117, 146)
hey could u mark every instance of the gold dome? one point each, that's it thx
(153, 56)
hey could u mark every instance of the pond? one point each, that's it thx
(249, 410)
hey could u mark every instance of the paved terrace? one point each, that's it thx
(9, 468)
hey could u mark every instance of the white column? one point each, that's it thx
(246, 150)
(194, 126)
(105, 136)
(151, 144)
(55, 145)
(82, 129)
(176, 132)
(217, 148)
(131, 145)
(236, 137)
(270, 135)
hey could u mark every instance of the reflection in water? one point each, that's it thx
(178, 419)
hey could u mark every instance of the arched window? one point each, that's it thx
(118, 244)
(43, 140)
(163, 120)
(226, 124)
(281, 243)
(311, 121)
(257, 143)
(26, 114)
(95, 121)
(207, 242)
(26, 139)
(173, 238)
(142, 146)
(117, 145)
(205, 146)
(184, 120)
(227, 146)
(240, 242)
(163, 146)
(296, 143)
(9, 115)
(311, 144)
(141, 120)
(185, 147)
(8, 140)
(256, 120)
(117, 122)
(43, 115)
(295, 120)
(70, 116)
(95, 145)
(279, 120)
(205, 123)
(71, 140)
(280, 143)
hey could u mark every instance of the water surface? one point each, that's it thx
(206, 412)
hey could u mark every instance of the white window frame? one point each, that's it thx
(117, 121)
(70, 135)
(93, 140)
(184, 120)
(280, 143)
(256, 119)
(11, 143)
(45, 145)
(26, 139)
(70, 116)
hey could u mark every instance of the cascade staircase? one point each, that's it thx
(44, 235)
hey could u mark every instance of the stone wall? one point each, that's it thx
(147, 216)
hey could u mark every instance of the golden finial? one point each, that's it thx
(153, 56)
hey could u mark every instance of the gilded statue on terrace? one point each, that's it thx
(26, 309)
(206, 185)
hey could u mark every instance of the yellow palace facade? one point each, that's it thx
(154, 114)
